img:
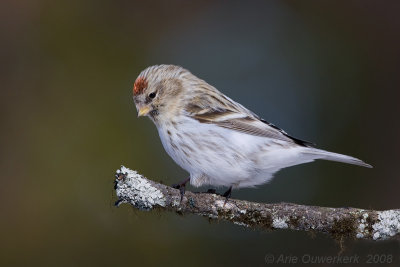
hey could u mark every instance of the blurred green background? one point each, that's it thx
(325, 71)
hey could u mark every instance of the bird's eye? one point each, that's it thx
(152, 95)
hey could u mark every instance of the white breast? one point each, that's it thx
(221, 157)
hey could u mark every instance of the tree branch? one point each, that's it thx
(145, 194)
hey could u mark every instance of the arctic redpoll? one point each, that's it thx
(218, 141)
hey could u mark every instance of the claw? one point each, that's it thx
(182, 191)
(227, 194)
(181, 186)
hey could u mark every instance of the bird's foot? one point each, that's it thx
(181, 186)
(227, 194)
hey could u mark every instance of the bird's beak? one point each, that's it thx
(143, 111)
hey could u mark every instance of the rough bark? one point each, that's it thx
(146, 194)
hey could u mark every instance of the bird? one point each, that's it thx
(218, 141)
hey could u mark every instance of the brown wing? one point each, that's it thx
(234, 116)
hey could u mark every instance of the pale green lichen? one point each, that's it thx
(138, 191)
(362, 229)
(388, 225)
(280, 223)
(222, 204)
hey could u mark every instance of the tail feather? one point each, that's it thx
(326, 155)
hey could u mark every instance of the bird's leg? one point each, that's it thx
(227, 194)
(181, 186)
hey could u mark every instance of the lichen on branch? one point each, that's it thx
(146, 194)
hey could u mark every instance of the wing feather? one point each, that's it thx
(236, 117)
(246, 123)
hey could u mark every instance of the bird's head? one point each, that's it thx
(158, 90)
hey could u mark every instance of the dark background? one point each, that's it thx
(325, 71)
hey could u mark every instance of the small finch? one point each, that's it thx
(217, 140)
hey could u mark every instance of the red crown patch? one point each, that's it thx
(139, 86)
